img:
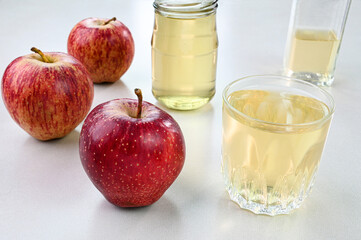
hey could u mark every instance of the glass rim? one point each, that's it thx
(301, 125)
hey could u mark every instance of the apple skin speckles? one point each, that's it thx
(127, 158)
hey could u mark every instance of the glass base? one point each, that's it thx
(272, 203)
(258, 208)
(318, 79)
(183, 102)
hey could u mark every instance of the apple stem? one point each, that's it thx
(35, 50)
(138, 92)
(110, 20)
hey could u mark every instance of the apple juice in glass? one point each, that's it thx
(274, 131)
(184, 53)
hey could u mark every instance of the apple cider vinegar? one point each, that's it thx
(314, 37)
(272, 145)
(184, 57)
(312, 55)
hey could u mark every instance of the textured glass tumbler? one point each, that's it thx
(274, 131)
(314, 39)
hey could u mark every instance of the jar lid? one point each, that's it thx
(185, 8)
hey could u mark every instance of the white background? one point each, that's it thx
(45, 193)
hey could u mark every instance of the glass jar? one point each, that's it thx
(314, 39)
(184, 53)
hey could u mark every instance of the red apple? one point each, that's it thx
(132, 151)
(47, 94)
(104, 46)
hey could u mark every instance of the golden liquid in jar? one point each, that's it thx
(269, 168)
(184, 56)
(312, 54)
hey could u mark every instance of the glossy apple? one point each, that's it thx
(47, 94)
(131, 150)
(104, 46)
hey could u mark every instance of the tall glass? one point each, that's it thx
(274, 131)
(184, 52)
(314, 39)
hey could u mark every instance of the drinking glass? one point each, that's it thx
(274, 131)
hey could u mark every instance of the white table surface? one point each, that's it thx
(45, 193)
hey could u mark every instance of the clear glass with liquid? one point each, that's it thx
(274, 131)
(314, 39)
(184, 53)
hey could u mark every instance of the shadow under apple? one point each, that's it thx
(104, 92)
(135, 223)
